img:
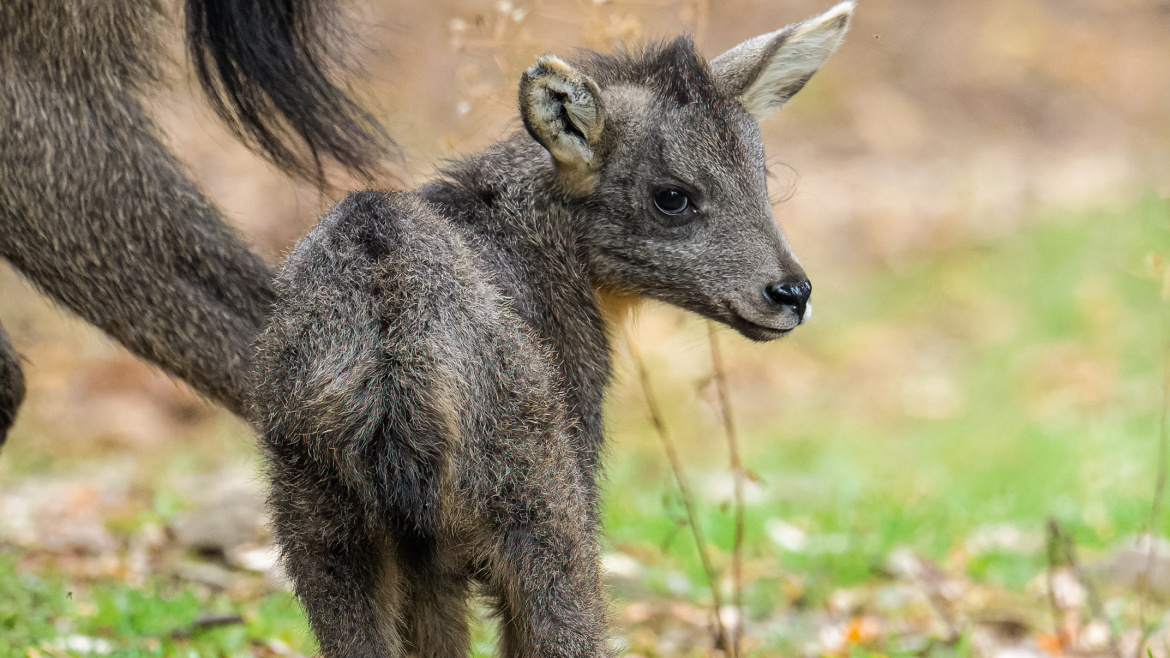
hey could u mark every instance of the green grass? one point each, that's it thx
(1047, 344)
(1052, 341)
(1059, 418)
(46, 611)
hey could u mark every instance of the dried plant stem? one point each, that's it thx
(737, 474)
(204, 623)
(684, 486)
(1063, 552)
(1096, 608)
(1054, 562)
(1147, 579)
(702, 12)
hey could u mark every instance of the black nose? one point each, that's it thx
(789, 294)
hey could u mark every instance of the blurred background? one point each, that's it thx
(958, 455)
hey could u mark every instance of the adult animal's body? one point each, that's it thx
(98, 214)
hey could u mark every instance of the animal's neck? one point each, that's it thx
(527, 234)
(506, 201)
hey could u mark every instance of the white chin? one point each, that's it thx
(807, 313)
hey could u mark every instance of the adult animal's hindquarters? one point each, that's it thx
(98, 214)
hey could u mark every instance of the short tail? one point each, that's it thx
(267, 71)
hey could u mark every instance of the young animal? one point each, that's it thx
(96, 211)
(430, 382)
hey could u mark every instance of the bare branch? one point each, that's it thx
(737, 474)
(1063, 551)
(683, 486)
(1146, 579)
(204, 623)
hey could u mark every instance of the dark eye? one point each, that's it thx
(672, 201)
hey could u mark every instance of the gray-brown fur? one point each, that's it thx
(429, 385)
(96, 212)
(11, 383)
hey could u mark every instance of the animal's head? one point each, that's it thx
(663, 149)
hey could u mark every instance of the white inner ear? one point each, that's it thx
(803, 52)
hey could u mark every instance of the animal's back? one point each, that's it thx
(387, 292)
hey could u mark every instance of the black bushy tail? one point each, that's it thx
(265, 67)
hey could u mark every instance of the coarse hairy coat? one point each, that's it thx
(97, 213)
(430, 382)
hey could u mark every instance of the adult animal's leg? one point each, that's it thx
(11, 385)
(98, 214)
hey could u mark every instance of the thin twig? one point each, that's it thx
(1146, 580)
(204, 623)
(1064, 543)
(1054, 561)
(701, 14)
(737, 475)
(683, 485)
(1096, 608)
(931, 580)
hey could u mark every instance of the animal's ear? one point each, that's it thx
(764, 72)
(562, 109)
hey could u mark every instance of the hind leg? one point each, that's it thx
(342, 569)
(437, 619)
(546, 572)
(364, 596)
(11, 385)
(550, 594)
